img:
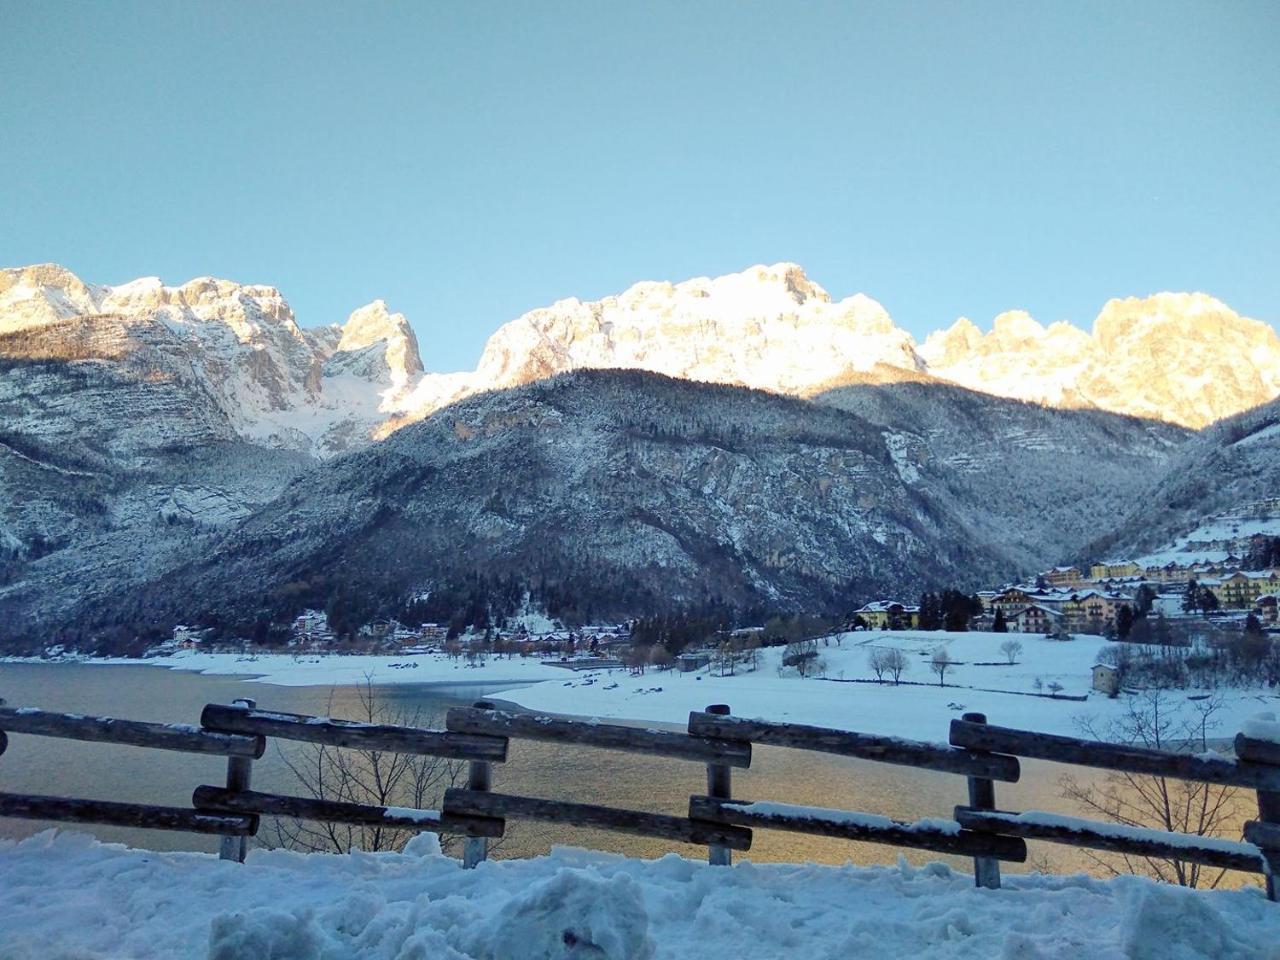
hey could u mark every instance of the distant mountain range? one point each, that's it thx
(171, 453)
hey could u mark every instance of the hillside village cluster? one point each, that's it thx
(1207, 582)
(1069, 599)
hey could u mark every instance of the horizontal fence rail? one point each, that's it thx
(112, 813)
(350, 733)
(478, 803)
(1264, 835)
(1114, 756)
(1260, 751)
(1116, 838)
(911, 753)
(158, 736)
(335, 811)
(938, 836)
(979, 752)
(606, 736)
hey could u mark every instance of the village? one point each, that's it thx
(1226, 572)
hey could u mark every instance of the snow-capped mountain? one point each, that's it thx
(771, 328)
(1181, 357)
(148, 430)
(236, 347)
(1184, 358)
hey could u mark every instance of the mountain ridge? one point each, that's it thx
(1185, 358)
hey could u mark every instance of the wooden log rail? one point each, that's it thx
(1116, 838)
(223, 800)
(349, 733)
(911, 753)
(32, 807)
(478, 803)
(1266, 830)
(158, 736)
(606, 736)
(1114, 756)
(938, 836)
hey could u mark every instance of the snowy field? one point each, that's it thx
(980, 680)
(64, 895)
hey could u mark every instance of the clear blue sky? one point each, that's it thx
(470, 161)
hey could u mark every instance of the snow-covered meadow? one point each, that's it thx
(979, 679)
(64, 895)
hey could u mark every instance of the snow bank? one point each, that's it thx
(66, 895)
(1262, 727)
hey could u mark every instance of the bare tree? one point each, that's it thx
(1135, 800)
(802, 656)
(896, 663)
(940, 662)
(878, 660)
(660, 657)
(1011, 649)
(366, 776)
(1055, 688)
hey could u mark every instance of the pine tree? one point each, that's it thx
(1000, 626)
(1124, 621)
(1191, 597)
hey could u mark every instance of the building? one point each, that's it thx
(1069, 577)
(1241, 589)
(1106, 679)
(1011, 600)
(1035, 619)
(689, 662)
(888, 615)
(1106, 569)
(1266, 608)
(1091, 610)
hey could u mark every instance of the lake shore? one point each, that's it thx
(979, 679)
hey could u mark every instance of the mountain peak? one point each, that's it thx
(375, 324)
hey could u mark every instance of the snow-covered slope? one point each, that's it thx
(1218, 490)
(615, 493)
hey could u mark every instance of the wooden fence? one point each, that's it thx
(982, 753)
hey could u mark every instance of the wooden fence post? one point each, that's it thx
(982, 796)
(719, 786)
(479, 777)
(239, 777)
(1265, 751)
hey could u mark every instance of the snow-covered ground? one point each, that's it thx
(64, 895)
(1001, 690)
(980, 679)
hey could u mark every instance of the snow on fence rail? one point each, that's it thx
(940, 836)
(33, 807)
(978, 751)
(608, 736)
(348, 733)
(1212, 768)
(846, 743)
(158, 736)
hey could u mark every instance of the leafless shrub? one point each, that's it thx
(1136, 800)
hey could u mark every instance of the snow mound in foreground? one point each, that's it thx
(66, 895)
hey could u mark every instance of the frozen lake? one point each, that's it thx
(104, 771)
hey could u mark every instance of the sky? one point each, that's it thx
(468, 162)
